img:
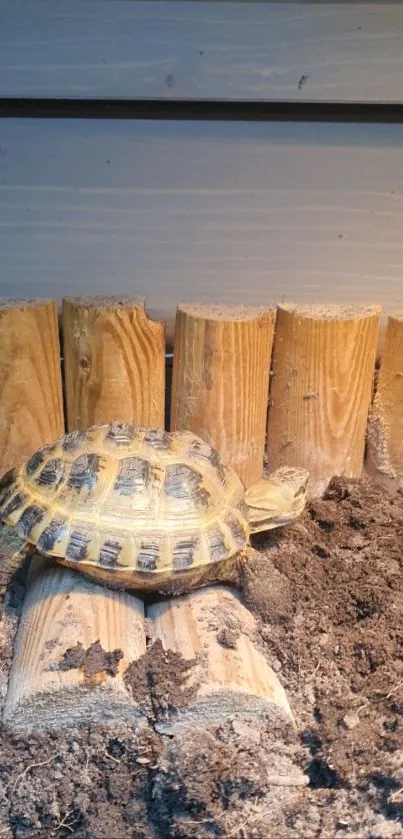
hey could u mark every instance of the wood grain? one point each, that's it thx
(231, 676)
(220, 381)
(31, 407)
(176, 211)
(63, 609)
(198, 50)
(114, 358)
(384, 459)
(323, 369)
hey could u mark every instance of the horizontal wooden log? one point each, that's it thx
(230, 676)
(74, 643)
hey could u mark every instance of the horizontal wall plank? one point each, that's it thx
(232, 212)
(170, 49)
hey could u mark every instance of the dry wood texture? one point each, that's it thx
(51, 689)
(230, 675)
(385, 425)
(114, 362)
(220, 380)
(31, 405)
(323, 368)
(197, 50)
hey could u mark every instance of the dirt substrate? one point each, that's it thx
(327, 595)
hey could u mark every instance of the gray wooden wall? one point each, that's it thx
(210, 209)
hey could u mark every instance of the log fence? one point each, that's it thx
(283, 385)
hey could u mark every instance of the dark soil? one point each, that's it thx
(327, 593)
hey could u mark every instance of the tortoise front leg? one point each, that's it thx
(13, 551)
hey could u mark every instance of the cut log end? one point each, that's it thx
(224, 312)
(18, 303)
(230, 675)
(331, 311)
(221, 707)
(99, 301)
(69, 709)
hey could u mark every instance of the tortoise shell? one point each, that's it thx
(128, 498)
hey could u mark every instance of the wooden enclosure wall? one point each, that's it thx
(185, 208)
(193, 49)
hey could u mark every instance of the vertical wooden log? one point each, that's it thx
(74, 643)
(211, 628)
(323, 368)
(31, 402)
(384, 460)
(220, 380)
(114, 359)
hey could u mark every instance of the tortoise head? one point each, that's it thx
(278, 499)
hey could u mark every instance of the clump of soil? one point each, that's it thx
(326, 595)
(157, 682)
(92, 661)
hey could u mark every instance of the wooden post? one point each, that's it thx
(31, 402)
(61, 672)
(220, 380)
(114, 359)
(323, 368)
(230, 675)
(384, 460)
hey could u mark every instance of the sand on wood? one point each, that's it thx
(114, 357)
(74, 643)
(229, 675)
(321, 387)
(221, 378)
(31, 407)
(384, 459)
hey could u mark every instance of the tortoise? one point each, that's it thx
(139, 508)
